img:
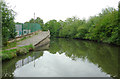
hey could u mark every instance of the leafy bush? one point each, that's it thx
(9, 54)
(8, 24)
(103, 27)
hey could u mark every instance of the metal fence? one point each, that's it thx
(27, 28)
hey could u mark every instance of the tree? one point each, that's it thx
(103, 27)
(0, 26)
(31, 20)
(119, 22)
(38, 20)
(119, 11)
(53, 26)
(8, 24)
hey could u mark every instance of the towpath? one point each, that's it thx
(34, 39)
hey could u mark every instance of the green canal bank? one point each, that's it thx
(25, 44)
(87, 59)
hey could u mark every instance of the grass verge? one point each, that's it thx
(14, 44)
(9, 54)
(10, 45)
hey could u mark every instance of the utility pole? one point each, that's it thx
(34, 17)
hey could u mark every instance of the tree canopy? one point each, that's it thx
(37, 20)
(8, 24)
(103, 27)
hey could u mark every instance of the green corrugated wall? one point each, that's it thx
(29, 28)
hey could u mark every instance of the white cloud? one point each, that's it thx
(56, 65)
(58, 9)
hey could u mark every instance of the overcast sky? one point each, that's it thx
(58, 9)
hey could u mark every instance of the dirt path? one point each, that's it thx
(34, 39)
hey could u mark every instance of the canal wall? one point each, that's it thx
(44, 45)
(43, 42)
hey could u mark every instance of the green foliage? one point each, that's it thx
(10, 45)
(8, 24)
(24, 49)
(81, 32)
(119, 22)
(102, 55)
(106, 28)
(9, 54)
(21, 51)
(119, 14)
(103, 27)
(53, 26)
(37, 20)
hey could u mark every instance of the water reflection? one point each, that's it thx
(8, 67)
(102, 55)
(58, 65)
(66, 58)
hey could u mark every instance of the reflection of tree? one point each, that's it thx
(8, 75)
(105, 56)
(8, 67)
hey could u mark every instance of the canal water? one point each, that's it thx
(65, 58)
